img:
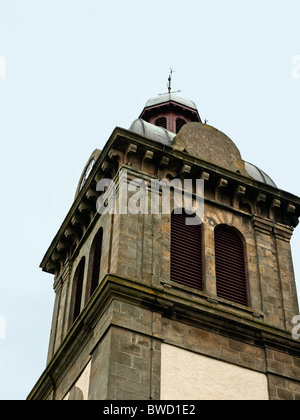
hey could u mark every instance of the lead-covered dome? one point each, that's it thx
(161, 99)
(258, 174)
(152, 132)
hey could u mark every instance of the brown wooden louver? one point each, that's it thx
(95, 261)
(161, 122)
(77, 288)
(180, 122)
(230, 265)
(186, 252)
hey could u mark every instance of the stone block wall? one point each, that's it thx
(123, 345)
(119, 353)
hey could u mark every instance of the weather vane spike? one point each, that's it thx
(169, 80)
(169, 84)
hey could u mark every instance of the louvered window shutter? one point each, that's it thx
(230, 265)
(186, 252)
(77, 287)
(161, 122)
(180, 122)
(95, 261)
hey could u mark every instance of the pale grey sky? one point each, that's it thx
(72, 70)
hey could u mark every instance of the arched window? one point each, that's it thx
(77, 289)
(94, 263)
(186, 252)
(230, 265)
(161, 122)
(180, 122)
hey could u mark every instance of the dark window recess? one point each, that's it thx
(180, 122)
(186, 252)
(78, 283)
(161, 122)
(230, 265)
(95, 261)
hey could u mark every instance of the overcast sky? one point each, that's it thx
(72, 70)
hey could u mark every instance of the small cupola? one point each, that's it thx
(170, 111)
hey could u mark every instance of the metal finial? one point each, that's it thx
(169, 80)
(169, 84)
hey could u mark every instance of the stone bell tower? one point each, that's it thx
(150, 307)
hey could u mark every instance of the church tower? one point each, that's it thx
(150, 304)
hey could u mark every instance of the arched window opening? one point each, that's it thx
(77, 288)
(230, 265)
(94, 263)
(161, 122)
(180, 122)
(186, 252)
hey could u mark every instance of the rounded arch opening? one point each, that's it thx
(94, 264)
(77, 290)
(161, 122)
(180, 122)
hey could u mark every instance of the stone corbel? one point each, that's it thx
(108, 168)
(168, 174)
(148, 156)
(76, 220)
(164, 161)
(57, 258)
(222, 184)
(88, 209)
(239, 192)
(78, 223)
(260, 198)
(72, 236)
(118, 155)
(247, 202)
(274, 205)
(205, 175)
(105, 166)
(291, 219)
(186, 169)
(92, 194)
(163, 164)
(61, 245)
(98, 176)
(132, 148)
(52, 267)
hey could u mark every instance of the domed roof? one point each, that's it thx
(258, 174)
(170, 97)
(152, 131)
